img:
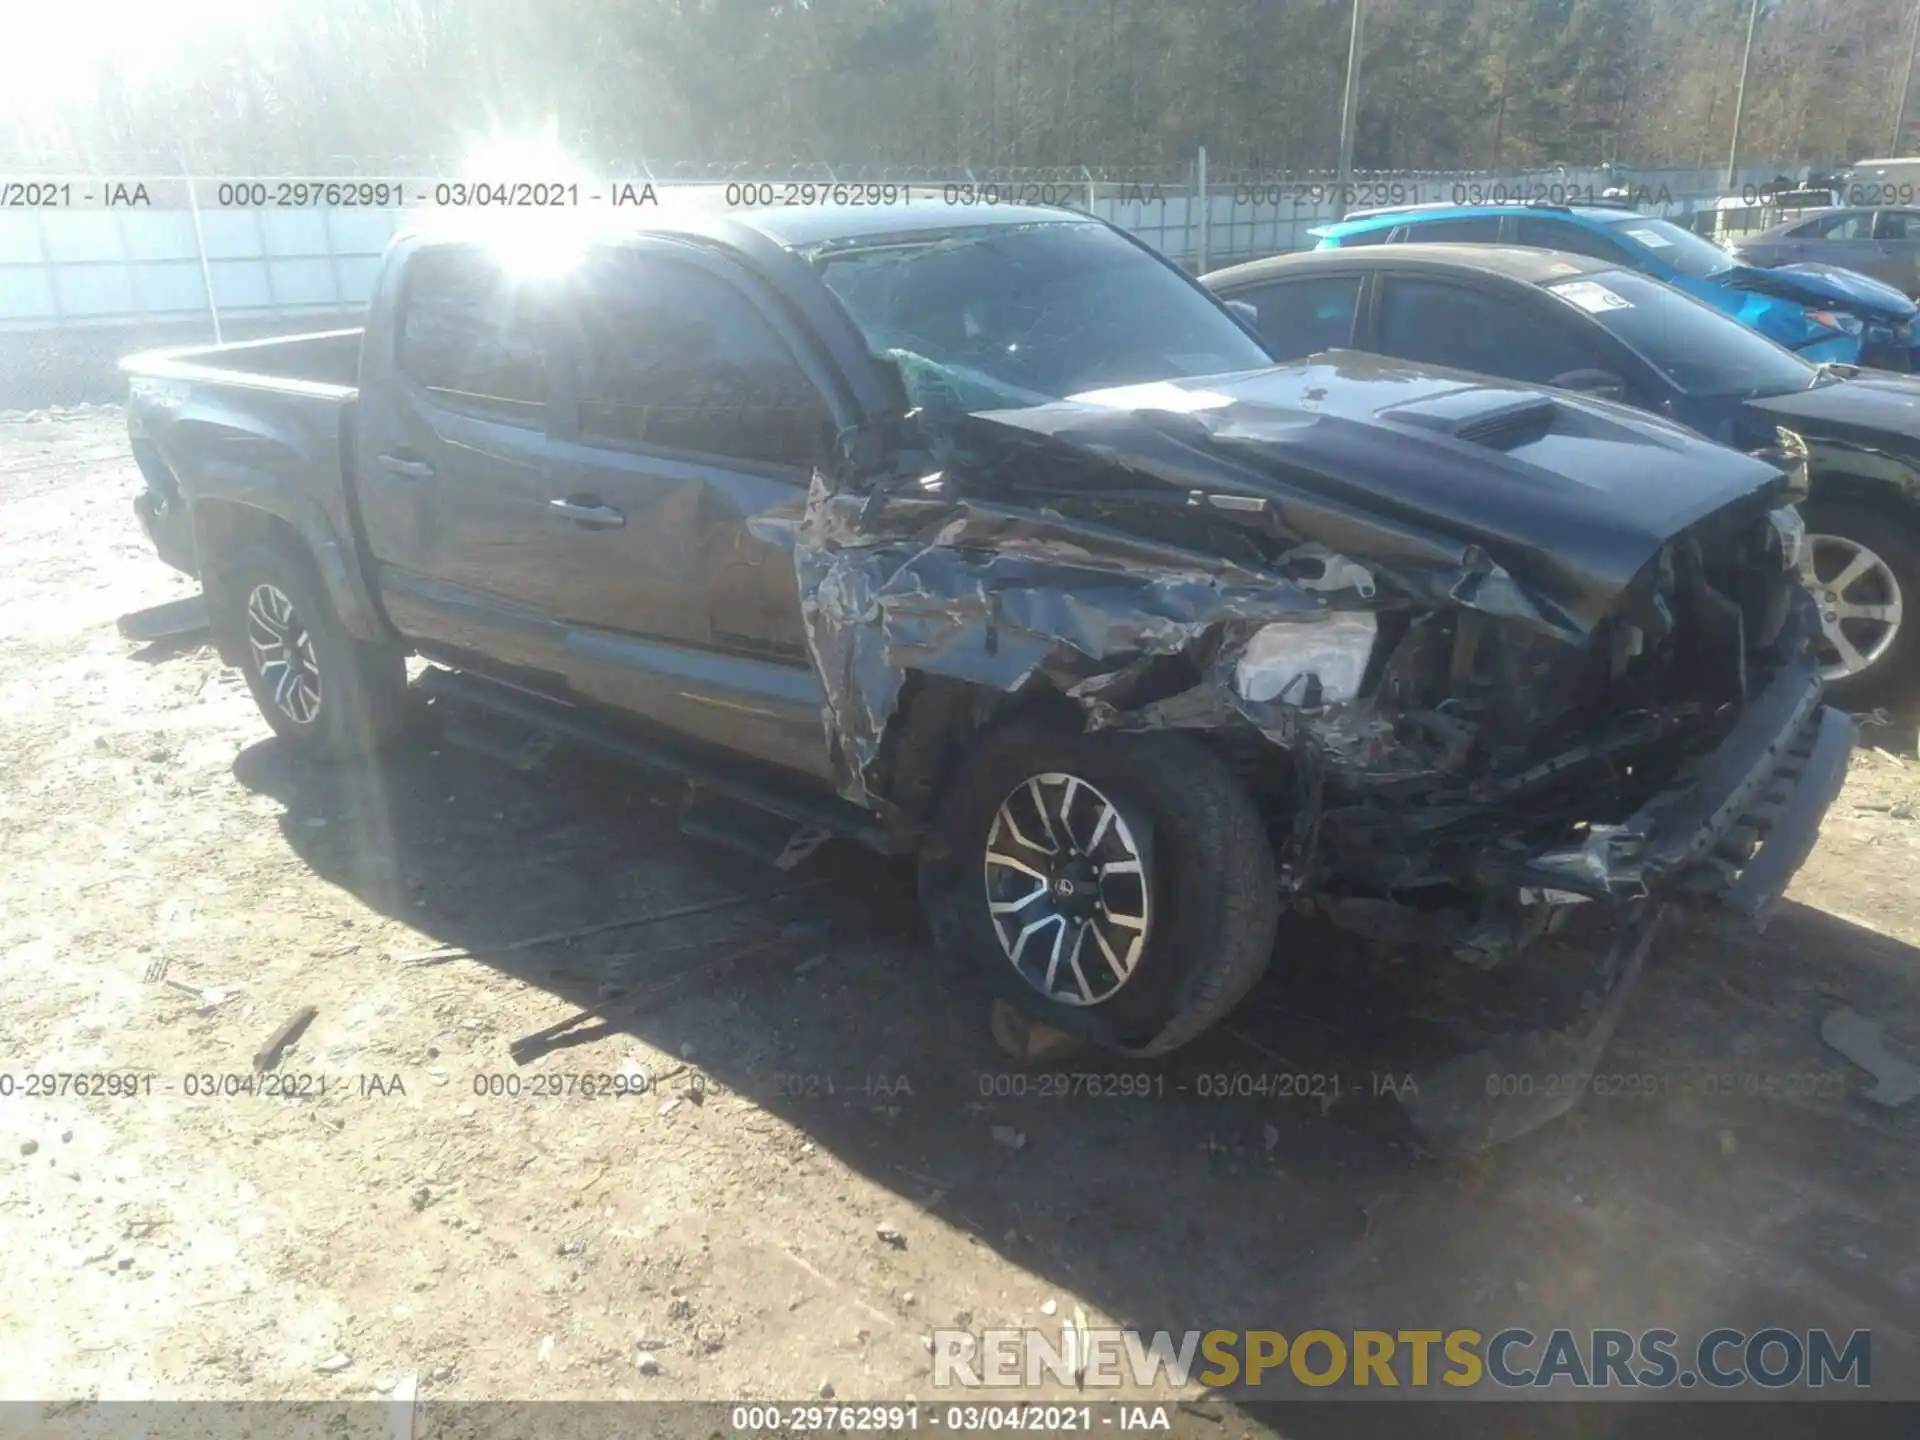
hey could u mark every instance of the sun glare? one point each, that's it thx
(56, 53)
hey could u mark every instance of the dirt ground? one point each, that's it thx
(175, 887)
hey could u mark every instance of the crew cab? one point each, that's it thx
(992, 537)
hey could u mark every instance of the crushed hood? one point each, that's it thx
(1570, 496)
(1814, 284)
(1873, 407)
(1086, 545)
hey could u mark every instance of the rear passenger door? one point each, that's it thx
(692, 413)
(1304, 315)
(453, 469)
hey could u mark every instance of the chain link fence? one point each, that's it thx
(101, 265)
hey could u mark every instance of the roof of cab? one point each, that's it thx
(1516, 262)
(802, 227)
(792, 227)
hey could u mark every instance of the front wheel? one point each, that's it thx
(319, 688)
(1862, 564)
(1118, 887)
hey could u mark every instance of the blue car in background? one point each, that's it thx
(1820, 312)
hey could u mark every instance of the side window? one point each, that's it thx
(670, 355)
(1848, 225)
(1897, 225)
(1376, 236)
(1301, 317)
(1444, 324)
(470, 335)
(1544, 234)
(1472, 230)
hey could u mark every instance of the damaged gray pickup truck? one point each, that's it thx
(989, 536)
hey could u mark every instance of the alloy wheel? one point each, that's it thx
(283, 655)
(1068, 889)
(1860, 604)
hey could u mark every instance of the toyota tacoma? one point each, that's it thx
(989, 536)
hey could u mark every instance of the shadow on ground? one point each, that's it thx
(1254, 1180)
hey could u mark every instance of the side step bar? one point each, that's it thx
(618, 742)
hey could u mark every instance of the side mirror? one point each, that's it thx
(1601, 384)
(1249, 314)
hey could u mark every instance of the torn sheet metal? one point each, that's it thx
(1004, 601)
(1082, 543)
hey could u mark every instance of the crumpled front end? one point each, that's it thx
(1018, 603)
(1443, 750)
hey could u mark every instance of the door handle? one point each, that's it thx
(587, 510)
(405, 469)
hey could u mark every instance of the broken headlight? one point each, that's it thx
(1314, 661)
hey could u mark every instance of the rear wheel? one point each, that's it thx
(318, 687)
(1863, 565)
(1117, 887)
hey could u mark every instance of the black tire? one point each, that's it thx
(357, 690)
(1892, 679)
(1211, 897)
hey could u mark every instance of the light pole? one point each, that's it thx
(1740, 95)
(1349, 109)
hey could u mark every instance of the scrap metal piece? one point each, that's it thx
(268, 1055)
(1896, 1081)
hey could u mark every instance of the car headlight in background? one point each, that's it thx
(1793, 447)
(1789, 453)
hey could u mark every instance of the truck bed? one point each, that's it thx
(262, 424)
(323, 362)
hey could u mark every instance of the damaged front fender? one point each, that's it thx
(1015, 600)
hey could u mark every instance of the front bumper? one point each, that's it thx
(1738, 826)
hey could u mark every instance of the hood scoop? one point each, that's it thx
(1466, 415)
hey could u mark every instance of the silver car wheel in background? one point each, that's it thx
(1860, 604)
(283, 655)
(1067, 889)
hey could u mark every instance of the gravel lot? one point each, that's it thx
(176, 887)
